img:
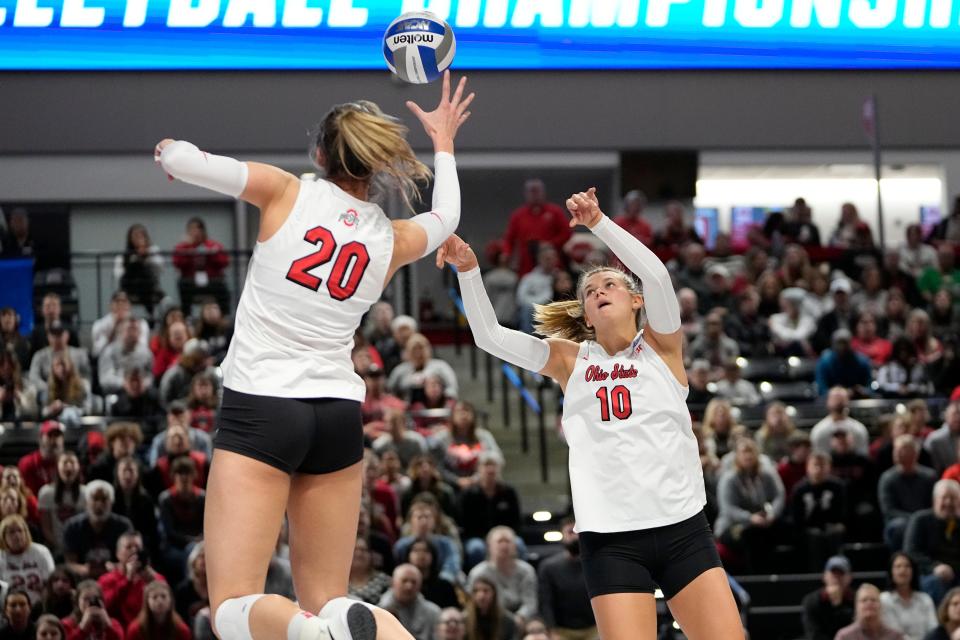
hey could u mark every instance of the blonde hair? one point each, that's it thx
(359, 141)
(70, 390)
(13, 520)
(565, 318)
(710, 416)
(789, 427)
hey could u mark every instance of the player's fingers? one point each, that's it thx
(462, 106)
(445, 94)
(417, 111)
(463, 118)
(458, 94)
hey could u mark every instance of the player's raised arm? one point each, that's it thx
(256, 183)
(550, 357)
(424, 233)
(660, 301)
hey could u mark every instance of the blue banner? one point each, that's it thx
(492, 34)
(17, 290)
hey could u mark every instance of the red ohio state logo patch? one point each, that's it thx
(350, 218)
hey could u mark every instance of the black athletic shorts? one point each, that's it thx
(670, 557)
(312, 435)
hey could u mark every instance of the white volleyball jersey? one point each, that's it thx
(306, 291)
(634, 461)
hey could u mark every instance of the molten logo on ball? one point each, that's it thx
(418, 47)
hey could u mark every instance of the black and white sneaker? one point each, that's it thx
(349, 620)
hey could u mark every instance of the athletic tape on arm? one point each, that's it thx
(184, 161)
(445, 216)
(660, 301)
(512, 346)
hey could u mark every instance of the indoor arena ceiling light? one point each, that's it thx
(553, 536)
(542, 516)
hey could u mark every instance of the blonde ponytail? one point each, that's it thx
(563, 319)
(360, 141)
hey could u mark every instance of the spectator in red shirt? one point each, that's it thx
(868, 343)
(377, 403)
(176, 446)
(535, 222)
(676, 232)
(169, 347)
(201, 262)
(632, 217)
(123, 588)
(157, 618)
(90, 620)
(793, 468)
(385, 500)
(40, 467)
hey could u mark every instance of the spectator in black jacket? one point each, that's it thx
(122, 438)
(948, 615)
(133, 502)
(818, 507)
(933, 540)
(93, 534)
(487, 504)
(50, 312)
(564, 602)
(137, 401)
(903, 489)
(827, 610)
(748, 327)
(843, 315)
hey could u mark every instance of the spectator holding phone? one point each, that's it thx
(90, 620)
(123, 587)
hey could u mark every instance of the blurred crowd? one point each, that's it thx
(101, 505)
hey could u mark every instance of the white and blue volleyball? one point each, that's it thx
(418, 47)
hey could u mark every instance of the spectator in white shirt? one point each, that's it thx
(905, 607)
(915, 256)
(734, 388)
(536, 287)
(838, 404)
(107, 329)
(791, 329)
(129, 352)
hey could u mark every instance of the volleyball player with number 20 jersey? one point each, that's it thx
(289, 438)
(638, 492)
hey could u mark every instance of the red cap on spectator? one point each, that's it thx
(956, 394)
(50, 426)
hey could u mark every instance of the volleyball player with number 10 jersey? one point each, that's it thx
(289, 438)
(638, 492)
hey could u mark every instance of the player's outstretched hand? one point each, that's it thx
(157, 150)
(442, 123)
(456, 252)
(584, 208)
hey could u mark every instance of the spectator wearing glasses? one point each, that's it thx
(451, 625)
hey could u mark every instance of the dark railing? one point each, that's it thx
(512, 379)
(92, 274)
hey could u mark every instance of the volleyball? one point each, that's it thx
(418, 47)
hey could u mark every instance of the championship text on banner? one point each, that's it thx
(492, 34)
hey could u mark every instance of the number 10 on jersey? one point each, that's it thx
(617, 400)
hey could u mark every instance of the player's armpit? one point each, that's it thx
(563, 357)
(266, 184)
